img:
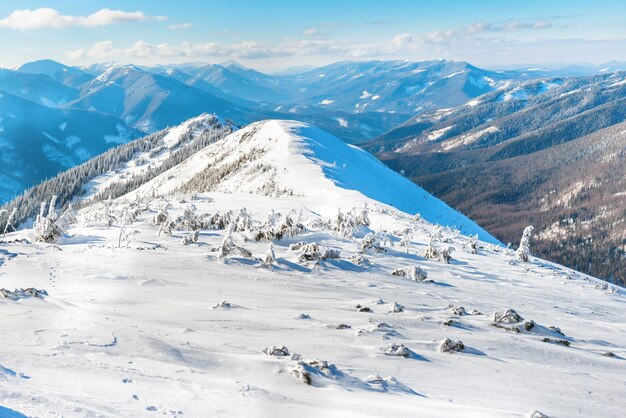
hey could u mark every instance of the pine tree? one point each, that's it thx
(523, 252)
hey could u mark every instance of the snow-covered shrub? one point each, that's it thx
(22, 293)
(375, 241)
(358, 259)
(437, 251)
(228, 247)
(456, 310)
(509, 317)
(346, 224)
(313, 252)
(46, 226)
(396, 308)
(399, 350)
(277, 351)
(472, 246)
(191, 237)
(556, 341)
(187, 219)
(361, 308)
(243, 221)
(536, 414)
(276, 229)
(219, 220)
(523, 252)
(105, 214)
(412, 272)
(270, 257)
(222, 305)
(605, 286)
(405, 241)
(448, 346)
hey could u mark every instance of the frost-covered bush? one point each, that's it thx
(457, 310)
(228, 247)
(277, 351)
(191, 237)
(22, 293)
(277, 228)
(222, 305)
(399, 350)
(47, 226)
(509, 317)
(220, 220)
(436, 250)
(375, 242)
(270, 257)
(313, 252)
(396, 308)
(412, 272)
(523, 252)
(405, 241)
(346, 224)
(305, 370)
(243, 221)
(187, 219)
(161, 215)
(358, 259)
(472, 246)
(449, 346)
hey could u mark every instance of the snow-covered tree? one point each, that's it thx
(405, 241)
(523, 252)
(228, 247)
(270, 257)
(8, 226)
(437, 251)
(46, 226)
(191, 237)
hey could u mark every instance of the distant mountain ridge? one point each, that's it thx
(548, 152)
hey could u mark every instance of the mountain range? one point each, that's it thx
(548, 153)
(482, 140)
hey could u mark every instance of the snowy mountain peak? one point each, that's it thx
(300, 161)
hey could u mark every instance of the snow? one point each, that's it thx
(435, 135)
(142, 330)
(53, 154)
(342, 122)
(468, 138)
(317, 168)
(454, 74)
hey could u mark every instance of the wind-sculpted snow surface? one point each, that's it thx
(153, 324)
(262, 277)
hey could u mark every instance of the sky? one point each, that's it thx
(270, 35)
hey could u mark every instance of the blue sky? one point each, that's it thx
(275, 34)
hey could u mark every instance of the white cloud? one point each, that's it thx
(180, 26)
(248, 50)
(438, 42)
(44, 17)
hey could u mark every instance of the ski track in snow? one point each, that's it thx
(133, 332)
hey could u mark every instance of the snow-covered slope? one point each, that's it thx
(295, 159)
(144, 317)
